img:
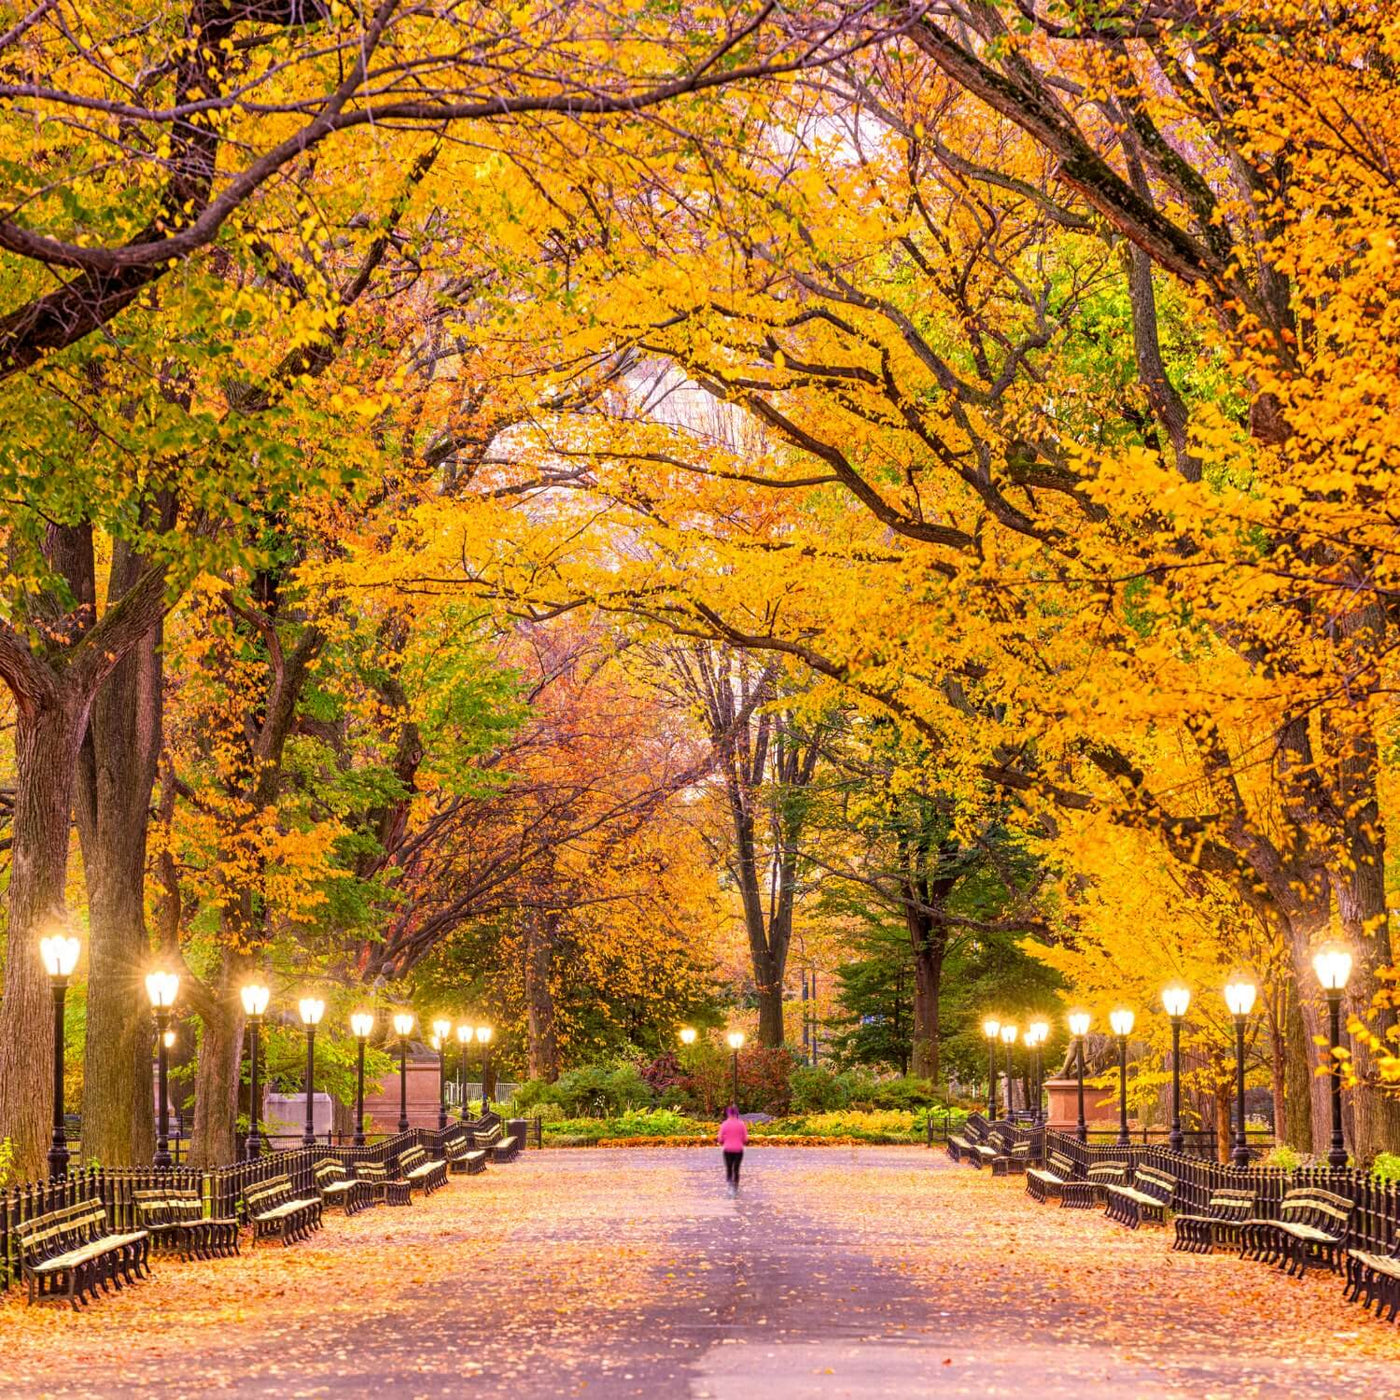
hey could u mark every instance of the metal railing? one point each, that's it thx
(221, 1188)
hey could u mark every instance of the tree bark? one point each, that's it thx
(48, 729)
(543, 1054)
(1298, 1076)
(213, 1142)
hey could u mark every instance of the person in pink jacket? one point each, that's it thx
(733, 1137)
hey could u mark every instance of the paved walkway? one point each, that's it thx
(607, 1274)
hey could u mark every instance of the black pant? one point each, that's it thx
(731, 1167)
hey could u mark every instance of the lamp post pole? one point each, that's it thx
(312, 1009)
(255, 998)
(308, 1136)
(1240, 1156)
(442, 1033)
(991, 1028)
(253, 1147)
(58, 1150)
(1176, 1140)
(1337, 1155)
(464, 1035)
(1332, 963)
(59, 954)
(403, 1083)
(361, 1023)
(1008, 1037)
(1239, 997)
(1122, 1090)
(162, 1157)
(1082, 1128)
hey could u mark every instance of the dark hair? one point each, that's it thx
(732, 1111)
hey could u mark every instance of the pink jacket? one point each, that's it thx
(733, 1134)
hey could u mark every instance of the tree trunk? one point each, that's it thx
(1223, 1142)
(212, 1142)
(928, 982)
(116, 774)
(48, 730)
(540, 932)
(1298, 1077)
(770, 1005)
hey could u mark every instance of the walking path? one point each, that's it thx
(862, 1273)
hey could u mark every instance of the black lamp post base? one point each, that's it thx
(58, 1161)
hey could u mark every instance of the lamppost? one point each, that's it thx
(464, 1039)
(1176, 999)
(1079, 1028)
(1332, 963)
(312, 1009)
(255, 998)
(403, 1025)
(361, 1023)
(1008, 1039)
(442, 1030)
(60, 956)
(991, 1028)
(736, 1043)
(1041, 1031)
(483, 1039)
(162, 988)
(1122, 1023)
(1239, 997)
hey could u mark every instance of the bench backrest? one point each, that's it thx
(372, 1171)
(1231, 1205)
(1061, 1165)
(1106, 1173)
(1152, 1181)
(43, 1236)
(330, 1169)
(456, 1145)
(168, 1206)
(485, 1137)
(263, 1194)
(412, 1157)
(1309, 1205)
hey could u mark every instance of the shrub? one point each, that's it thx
(596, 1091)
(532, 1094)
(1386, 1166)
(815, 1090)
(764, 1073)
(905, 1092)
(1287, 1158)
(860, 1088)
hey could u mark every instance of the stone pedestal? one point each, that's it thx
(1100, 1106)
(382, 1109)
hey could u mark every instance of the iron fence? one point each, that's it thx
(220, 1188)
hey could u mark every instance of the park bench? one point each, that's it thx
(384, 1190)
(1226, 1212)
(1082, 1195)
(175, 1220)
(495, 1141)
(72, 1252)
(1148, 1198)
(1377, 1276)
(273, 1208)
(421, 1172)
(338, 1188)
(1004, 1154)
(461, 1156)
(1045, 1183)
(962, 1147)
(1312, 1225)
